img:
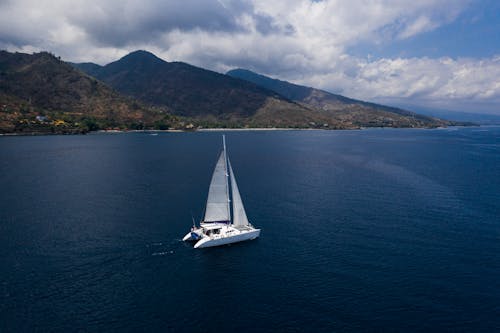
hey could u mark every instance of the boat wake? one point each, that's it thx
(162, 253)
(164, 248)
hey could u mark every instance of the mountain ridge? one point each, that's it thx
(238, 100)
(211, 99)
(42, 93)
(342, 109)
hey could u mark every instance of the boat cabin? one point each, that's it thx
(212, 229)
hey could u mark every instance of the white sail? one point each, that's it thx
(218, 196)
(239, 215)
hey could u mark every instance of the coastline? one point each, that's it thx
(221, 129)
(218, 129)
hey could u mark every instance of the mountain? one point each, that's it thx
(87, 67)
(243, 98)
(341, 109)
(41, 93)
(210, 98)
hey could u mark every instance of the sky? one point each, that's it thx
(442, 54)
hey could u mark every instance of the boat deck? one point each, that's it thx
(243, 228)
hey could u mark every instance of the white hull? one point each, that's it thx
(192, 236)
(217, 240)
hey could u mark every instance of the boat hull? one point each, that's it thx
(240, 237)
(192, 236)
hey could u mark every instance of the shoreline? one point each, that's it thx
(218, 129)
(257, 129)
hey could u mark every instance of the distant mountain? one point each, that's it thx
(187, 90)
(347, 111)
(211, 98)
(243, 98)
(41, 93)
(87, 67)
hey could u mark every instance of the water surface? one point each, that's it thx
(373, 230)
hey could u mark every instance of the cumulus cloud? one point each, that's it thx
(442, 82)
(300, 40)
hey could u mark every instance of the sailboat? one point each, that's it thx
(217, 227)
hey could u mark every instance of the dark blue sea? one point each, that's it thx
(382, 230)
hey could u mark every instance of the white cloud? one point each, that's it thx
(419, 25)
(443, 82)
(299, 40)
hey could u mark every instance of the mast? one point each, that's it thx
(227, 176)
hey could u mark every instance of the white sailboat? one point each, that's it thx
(217, 227)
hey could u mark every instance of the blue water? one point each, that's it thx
(373, 230)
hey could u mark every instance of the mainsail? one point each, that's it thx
(218, 197)
(239, 215)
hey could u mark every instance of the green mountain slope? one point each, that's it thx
(41, 93)
(210, 98)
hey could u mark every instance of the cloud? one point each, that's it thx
(299, 40)
(119, 23)
(419, 25)
(443, 82)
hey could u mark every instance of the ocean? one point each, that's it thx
(386, 230)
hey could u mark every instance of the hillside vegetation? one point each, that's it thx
(41, 93)
(339, 109)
